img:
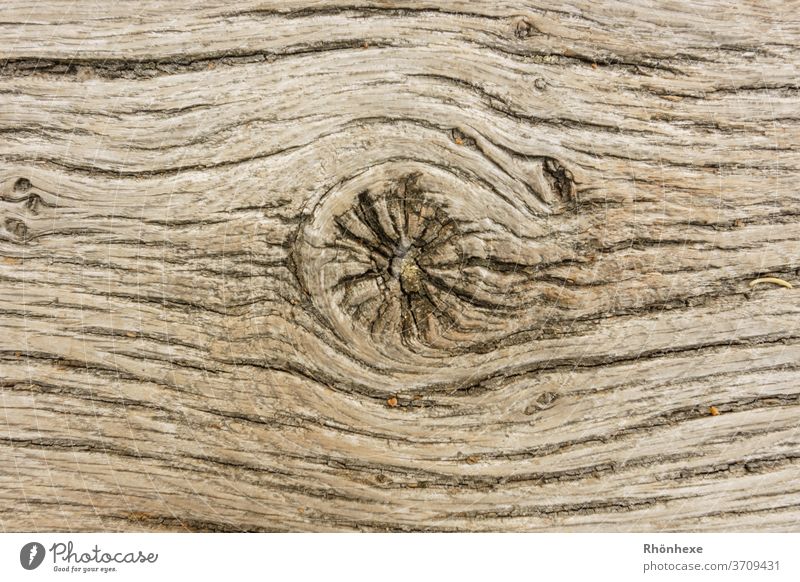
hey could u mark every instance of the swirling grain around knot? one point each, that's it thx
(408, 259)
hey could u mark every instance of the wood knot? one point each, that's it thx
(403, 259)
(392, 251)
(16, 228)
(544, 401)
(562, 184)
(22, 185)
(523, 29)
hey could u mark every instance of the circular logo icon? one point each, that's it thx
(31, 555)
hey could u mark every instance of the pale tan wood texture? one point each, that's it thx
(399, 266)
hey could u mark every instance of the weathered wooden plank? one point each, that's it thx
(399, 265)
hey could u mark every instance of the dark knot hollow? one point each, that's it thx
(401, 241)
(411, 262)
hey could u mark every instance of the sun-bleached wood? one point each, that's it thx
(454, 266)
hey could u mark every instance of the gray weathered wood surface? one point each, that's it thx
(283, 265)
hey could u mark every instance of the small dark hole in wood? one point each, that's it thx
(523, 29)
(544, 401)
(33, 203)
(561, 181)
(22, 185)
(16, 227)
